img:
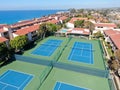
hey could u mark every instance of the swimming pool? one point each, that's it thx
(64, 30)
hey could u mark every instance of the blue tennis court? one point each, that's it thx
(13, 80)
(82, 52)
(64, 86)
(47, 48)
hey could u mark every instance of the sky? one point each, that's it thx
(56, 4)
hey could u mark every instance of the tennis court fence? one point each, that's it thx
(44, 75)
(66, 66)
(82, 69)
(32, 60)
(60, 50)
(111, 84)
(101, 47)
(104, 54)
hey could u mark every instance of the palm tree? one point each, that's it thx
(47, 29)
(89, 25)
(42, 30)
(115, 65)
(117, 54)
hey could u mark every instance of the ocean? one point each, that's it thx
(11, 17)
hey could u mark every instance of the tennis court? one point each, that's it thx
(64, 86)
(81, 52)
(71, 80)
(14, 80)
(47, 48)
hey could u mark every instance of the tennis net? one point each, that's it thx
(54, 45)
(66, 66)
(83, 49)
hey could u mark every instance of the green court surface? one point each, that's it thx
(75, 79)
(55, 53)
(62, 53)
(98, 61)
(32, 69)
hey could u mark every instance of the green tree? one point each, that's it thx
(79, 23)
(98, 34)
(19, 42)
(67, 20)
(4, 52)
(47, 29)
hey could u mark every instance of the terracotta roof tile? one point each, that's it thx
(105, 24)
(116, 40)
(22, 23)
(2, 39)
(2, 30)
(63, 18)
(27, 30)
(111, 32)
(75, 19)
(53, 21)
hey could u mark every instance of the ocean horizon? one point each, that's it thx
(13, 16)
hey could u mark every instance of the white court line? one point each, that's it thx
(21, 72)
(91, 54)
(73, 85)
(8, 71)
(8, 84)
(82, 50)
(4, 87)
(72, 52)
(52, 50)
(24, 82)
(93, 57)
(16, 72)
(25, 74)
(90, 57)
(59, 86)
(28, 82)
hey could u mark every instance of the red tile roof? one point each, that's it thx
(80, 31)
(2, 39)
(111, 32)
(3, 25)
(2, 30)
(27, 30)
(76, 18)
(53, 21)
(105, 25)
(116, 40)
(63, 18)
(22, 23)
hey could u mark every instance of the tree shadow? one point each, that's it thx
(30, 46)
(10, 60)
